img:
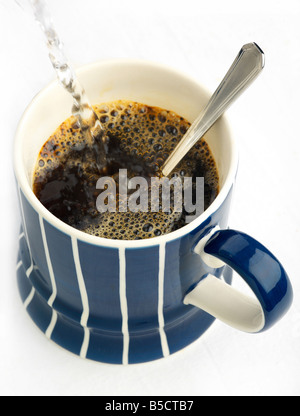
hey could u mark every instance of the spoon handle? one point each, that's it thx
(244, 70)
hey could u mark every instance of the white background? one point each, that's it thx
(200, 38)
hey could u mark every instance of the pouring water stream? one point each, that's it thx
(82, 110)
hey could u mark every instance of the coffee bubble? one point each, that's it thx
(139, 139)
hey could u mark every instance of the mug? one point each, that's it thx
(128, 302)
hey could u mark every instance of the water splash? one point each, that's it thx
(86, 117)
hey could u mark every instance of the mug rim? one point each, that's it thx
(20, 173)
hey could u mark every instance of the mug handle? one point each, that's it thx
(260, 270)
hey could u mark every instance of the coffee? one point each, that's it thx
(139, 138)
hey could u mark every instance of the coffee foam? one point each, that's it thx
(140, 132)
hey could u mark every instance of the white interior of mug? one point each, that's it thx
(140, 81)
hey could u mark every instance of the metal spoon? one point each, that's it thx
(244, 70)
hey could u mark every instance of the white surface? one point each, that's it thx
(202, 39)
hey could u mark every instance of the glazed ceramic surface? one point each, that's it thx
(126, 302)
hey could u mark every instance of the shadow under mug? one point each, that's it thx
(126, 302)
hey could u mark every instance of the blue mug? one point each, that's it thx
(127, 302)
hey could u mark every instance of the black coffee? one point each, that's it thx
(139, 138)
